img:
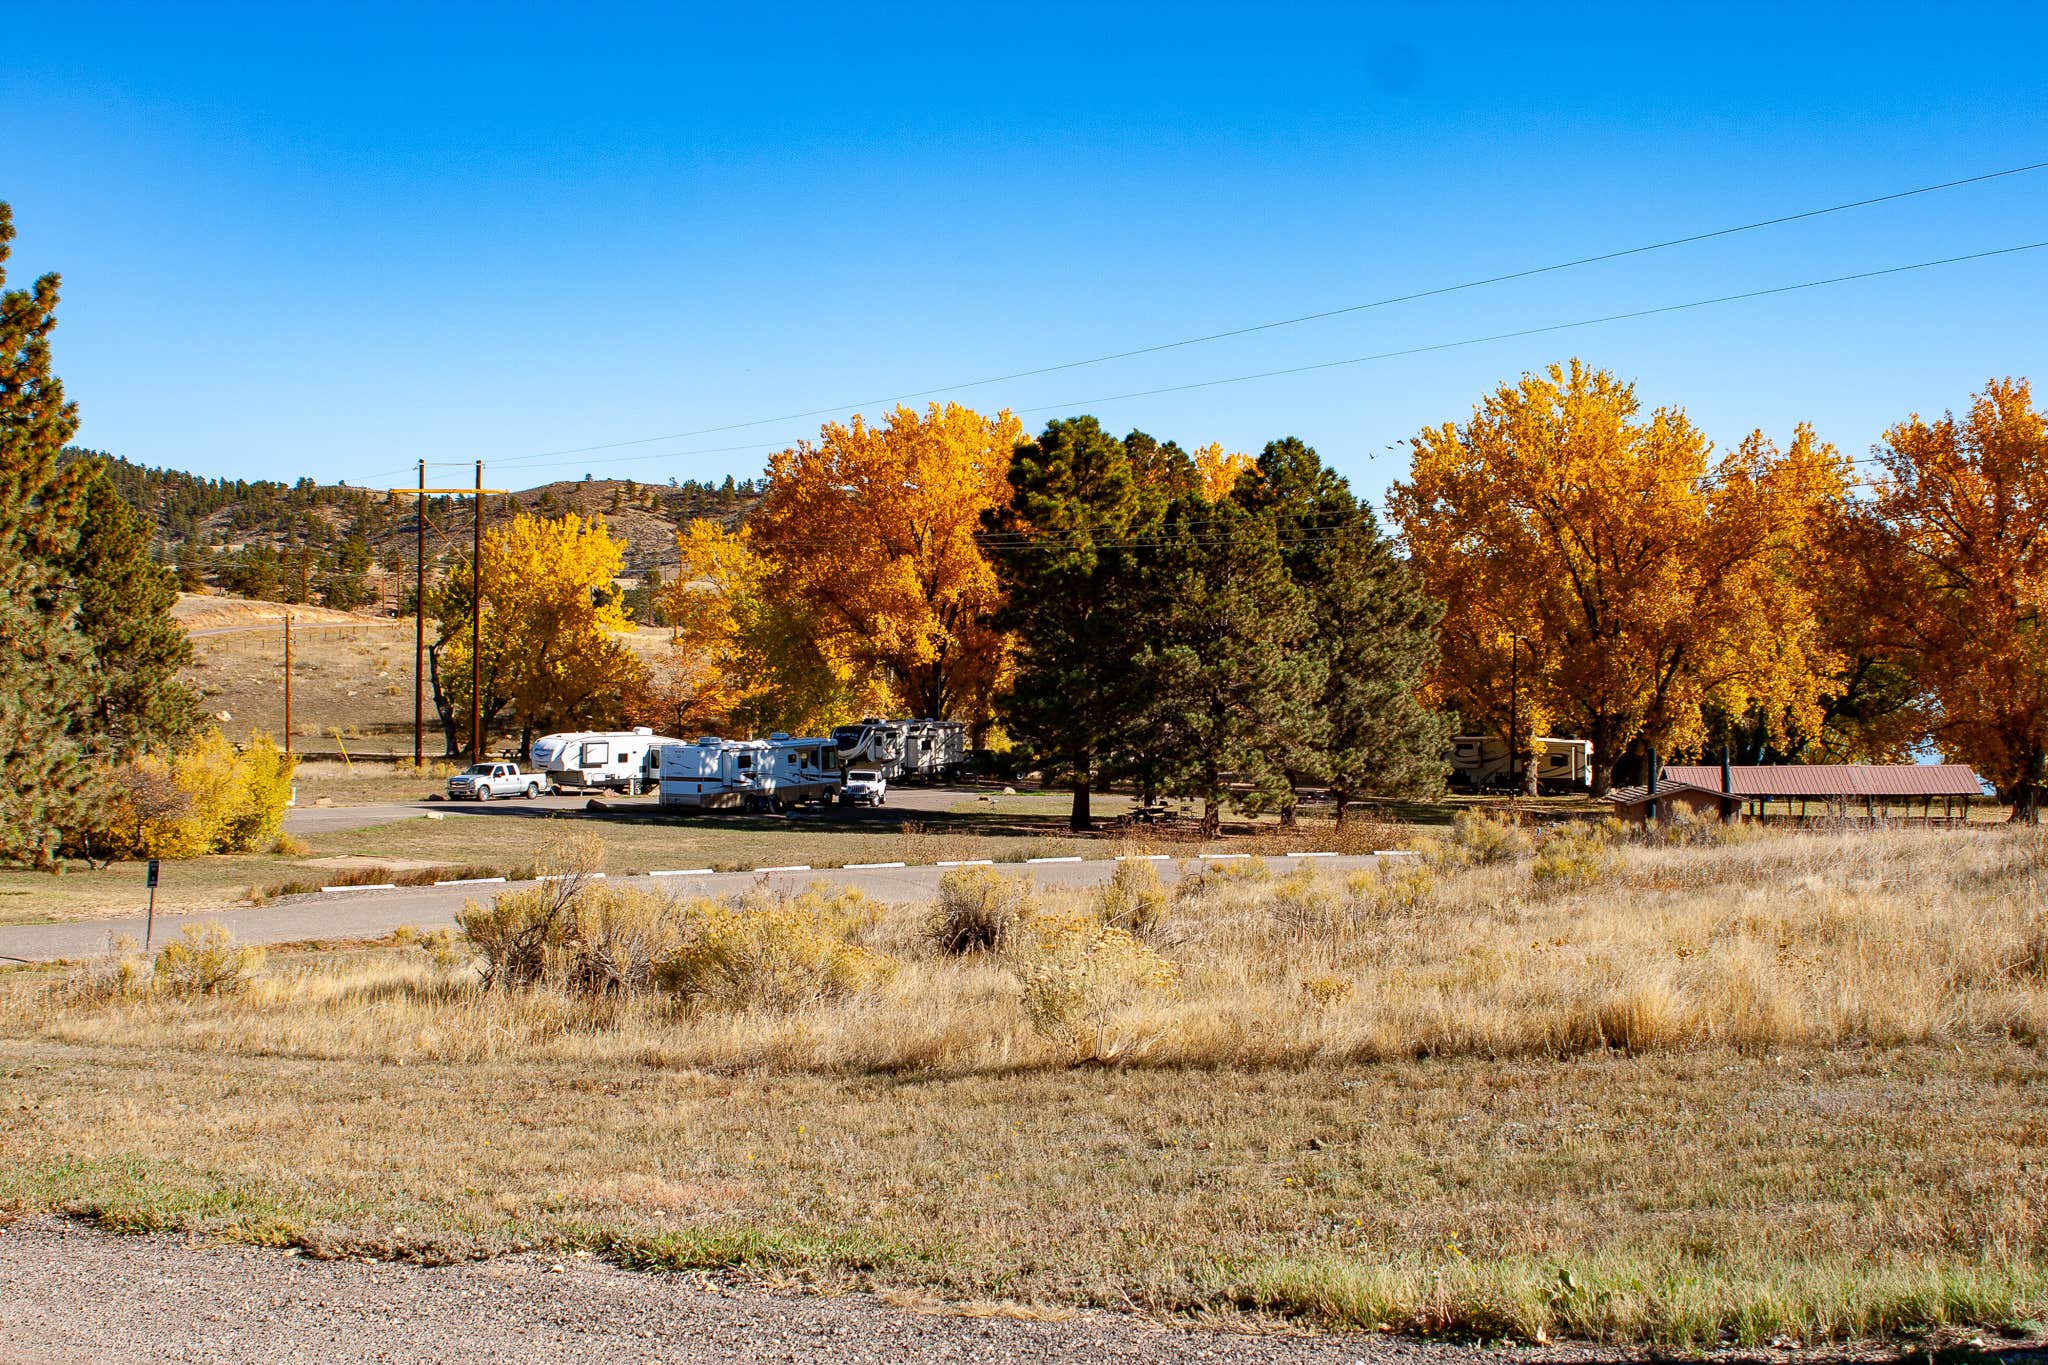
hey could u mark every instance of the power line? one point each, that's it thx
(1433, 347)
(1435, 292)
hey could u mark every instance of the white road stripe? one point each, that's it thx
(862, 867)
(366, 886)
(1311, 855)
(1144, 857)
(469, 881)
(967, 862)
(682, 872)
(793, 867)
(1075, 859)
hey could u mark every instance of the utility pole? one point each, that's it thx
(476, 626)
(419, 625)
(287, 682)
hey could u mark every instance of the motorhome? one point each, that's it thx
(1480, 763)
(757, 774)
(928, 749)
(607, 760)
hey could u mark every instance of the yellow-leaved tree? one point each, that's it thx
(1217, 471)
(871, 530)
(746, 655)
(1603, 558)
(1955, 579)
(554, 656)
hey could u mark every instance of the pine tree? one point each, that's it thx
(1373, 627)
(124, 612)
(1063, 550)
(47, 782)
(1232, 679)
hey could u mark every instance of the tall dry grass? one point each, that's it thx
(1560, 945)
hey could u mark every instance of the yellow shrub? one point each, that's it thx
(1133, 898)
(1085, 985)
(978, 910)
(231, 802)
(204, 960)
(1570, 860)
(767, 952)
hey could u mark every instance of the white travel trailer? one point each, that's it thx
(602, 760)
(874, 743)
(758, 774)
(1480, 763)
(927, 749)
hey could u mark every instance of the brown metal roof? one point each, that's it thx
(1838, 780)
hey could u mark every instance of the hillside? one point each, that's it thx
(354, 547)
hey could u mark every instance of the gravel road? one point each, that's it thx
(72, 1294)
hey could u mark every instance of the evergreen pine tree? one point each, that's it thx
(1373, 627)
(47, 782)
(124, 612)
(1063, 551)
(1233, 679)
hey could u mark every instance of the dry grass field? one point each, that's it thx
(351, 673)
(1699, 1090)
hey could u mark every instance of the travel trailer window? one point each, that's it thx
(746, 763)
(596, 754)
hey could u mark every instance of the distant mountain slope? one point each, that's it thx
(204, 524)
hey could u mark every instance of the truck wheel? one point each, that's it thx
(533, 791)
(483, 793)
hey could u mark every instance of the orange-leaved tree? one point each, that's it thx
(872, 530)
(1606, 560)
(744, 654)
(1956, 578)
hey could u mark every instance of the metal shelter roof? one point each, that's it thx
(1666, 786)
(1839, 781)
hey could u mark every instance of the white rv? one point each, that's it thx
(1480, 763)
(927, 749)
(607, 760)
(759, 774)
(874, 743)
(712, 774)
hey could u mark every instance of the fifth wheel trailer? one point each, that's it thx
(932, 750)
(1480, 763)
(602, 760)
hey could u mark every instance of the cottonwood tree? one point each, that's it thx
(1646, 577)
(553, 653)
(745, 652)
(1373, 629)
(872, 528)
(1066, 549)
(1955, 574)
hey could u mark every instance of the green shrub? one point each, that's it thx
(204, 960)
(1133, 898)
(978, 910)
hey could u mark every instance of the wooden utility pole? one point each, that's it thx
(419, 625)
(476, 626)
(287, 682)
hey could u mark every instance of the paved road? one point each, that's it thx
(311, 820)
(370, 914)
(70, 1294)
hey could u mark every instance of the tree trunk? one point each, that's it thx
(525, 744)
(1078, 820)
(2026, 804)
(1340, 802)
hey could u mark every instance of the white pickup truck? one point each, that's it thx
(482, 781)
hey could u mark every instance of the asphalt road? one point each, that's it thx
(371, 914)
(311, 820)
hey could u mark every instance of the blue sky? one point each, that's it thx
(331, 240)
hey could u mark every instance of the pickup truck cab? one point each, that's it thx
(482, 781)
(864, 787)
